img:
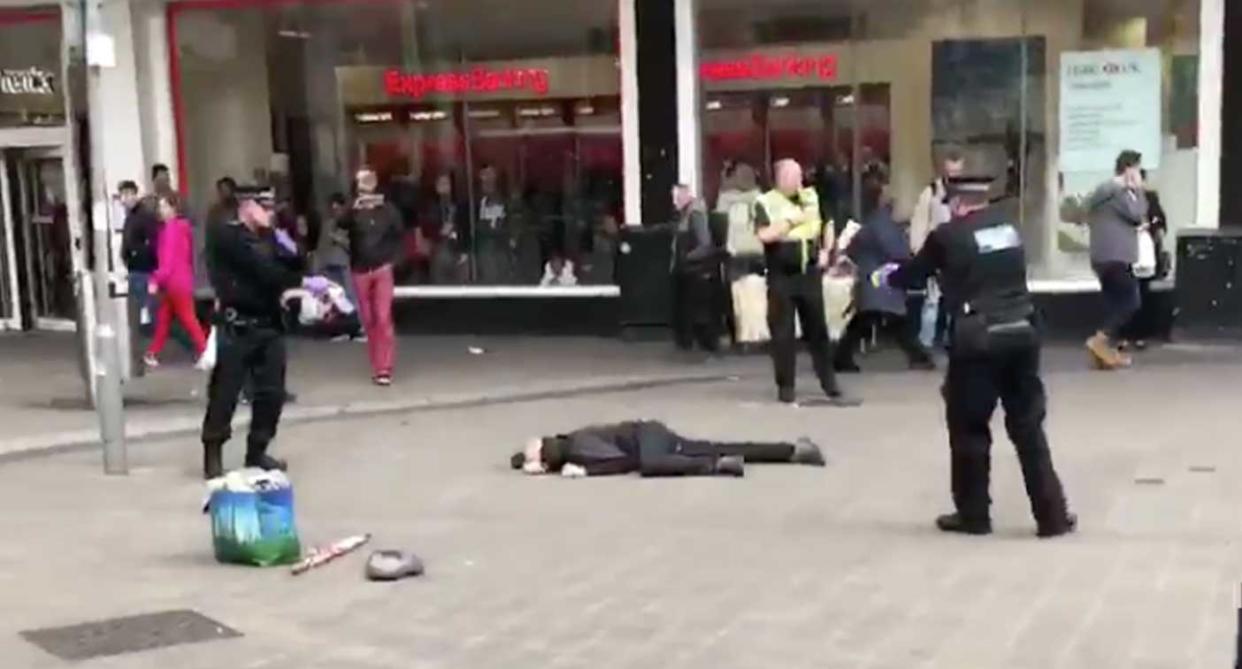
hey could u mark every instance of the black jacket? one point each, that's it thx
(249, 272)
(139, 238)
(375, 231)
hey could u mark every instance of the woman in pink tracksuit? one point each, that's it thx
(173, 280)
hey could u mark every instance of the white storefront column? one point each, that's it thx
(117, 132)
(632, 179)
(1211, 85)
(689, 135)
(152, 63)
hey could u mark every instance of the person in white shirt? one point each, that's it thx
(931, 211)
(559, 271)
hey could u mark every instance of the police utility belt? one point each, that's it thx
(231, 318)
(796, 256)
(996, 325)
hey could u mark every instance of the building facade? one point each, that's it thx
(514, 135)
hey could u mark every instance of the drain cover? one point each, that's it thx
(118, 636)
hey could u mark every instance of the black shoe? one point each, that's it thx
(807, 452)
(731, 465)
(956, 524)
(846, 367)
(787, 395)
(213, 461)
(1053, 530)
(266, 462)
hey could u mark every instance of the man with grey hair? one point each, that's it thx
(696, 275)
(797, 245)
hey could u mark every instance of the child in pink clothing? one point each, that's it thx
(173, 280)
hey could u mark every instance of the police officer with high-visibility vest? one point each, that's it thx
(796, 249)
(979, 261)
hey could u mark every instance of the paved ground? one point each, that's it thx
(789, 567)
(42, 397)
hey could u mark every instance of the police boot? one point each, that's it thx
(256, 456)
(954, 523)
(213, 461)
(1052, 530)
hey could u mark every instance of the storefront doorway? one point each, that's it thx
(36, 259)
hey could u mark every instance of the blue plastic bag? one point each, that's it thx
(252, 520)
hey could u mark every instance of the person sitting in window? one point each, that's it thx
(559, 271)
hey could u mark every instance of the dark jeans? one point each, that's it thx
(799, 296)
(896, 327)
(696, 312)
(1144, 323)
(663, 452)
(139, 299)
(257, 353)
(1120, 291)
(972, 388)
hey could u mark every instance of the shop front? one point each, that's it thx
(40, 234)
(519, 142)
(496, 132)
(1042, 95)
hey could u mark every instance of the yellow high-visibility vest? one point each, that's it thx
(811, 227)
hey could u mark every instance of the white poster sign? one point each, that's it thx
(1110, 101)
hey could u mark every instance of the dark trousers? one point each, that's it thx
(696, 311)
(799, 296)
(1120, 290)
(258, 353)
(972, 387)
(1143, 324)
(663, 452)
(895, 327)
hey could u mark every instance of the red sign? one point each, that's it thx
(758, 67)
(478, 80)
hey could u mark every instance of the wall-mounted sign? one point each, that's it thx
(366, 87)
(479, 80)
(27, 81)
(761, 67)
(1110, 101)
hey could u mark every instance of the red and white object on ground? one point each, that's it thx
(321, 555)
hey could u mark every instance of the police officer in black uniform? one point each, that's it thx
(796, 246)
(994, 355)
(251, 267)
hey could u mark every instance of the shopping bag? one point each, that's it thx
(252, 519)
(1145, 268)
(838, 302)
(750, 309)
(207, 361)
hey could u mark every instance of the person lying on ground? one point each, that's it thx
(652, 449)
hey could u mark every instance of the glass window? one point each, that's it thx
(877, 92)
(31, 86)
(500, 147)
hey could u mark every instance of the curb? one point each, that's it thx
(82, 440)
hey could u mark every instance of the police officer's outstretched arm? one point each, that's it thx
(914, 272)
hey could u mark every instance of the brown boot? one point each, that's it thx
(1103, 355)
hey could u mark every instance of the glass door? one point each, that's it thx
(38, 248)
(10, 297)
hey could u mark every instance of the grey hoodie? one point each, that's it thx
(1114, 213)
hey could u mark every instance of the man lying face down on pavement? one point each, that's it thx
(652, 449)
